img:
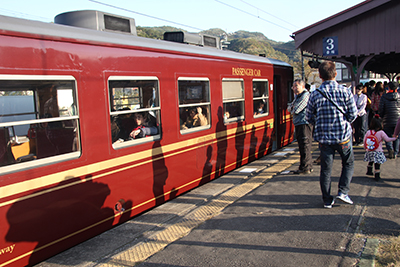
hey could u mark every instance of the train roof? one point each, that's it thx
(48, 30)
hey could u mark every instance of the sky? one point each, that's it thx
(276, 19)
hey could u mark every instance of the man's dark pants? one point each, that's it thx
(327, 154)
(360, 127)
(304, 140)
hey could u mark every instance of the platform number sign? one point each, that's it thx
(330, 46)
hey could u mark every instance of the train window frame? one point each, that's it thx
(206, 104)
(157, 110)
(263, 97)
(42, 83)
(290, 91)
(226, 100)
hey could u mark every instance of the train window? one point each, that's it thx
(233, 99)
(260, 98)
(39, 121)
(135, 110)
(194, 104)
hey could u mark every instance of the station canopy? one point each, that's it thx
(363, 37)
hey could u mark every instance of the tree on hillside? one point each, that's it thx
(286, 48)
(254, 43)
(155, 32)
(255, 47)
(245, 34)
(214, 32)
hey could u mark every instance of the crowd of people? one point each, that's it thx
(378, 100)
(337, 118)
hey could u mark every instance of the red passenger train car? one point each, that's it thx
(97, 126)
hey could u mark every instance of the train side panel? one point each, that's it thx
(98, 183)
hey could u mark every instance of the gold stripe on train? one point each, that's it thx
(244, 130)
(13, 189)
(103, 221)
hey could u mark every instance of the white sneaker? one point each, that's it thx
(329, 205)
(345, 198)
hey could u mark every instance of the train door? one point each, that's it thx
(283, 129)
(276, 117)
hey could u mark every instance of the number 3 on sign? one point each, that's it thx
(330, 46)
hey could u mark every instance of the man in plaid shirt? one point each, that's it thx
(332, 129)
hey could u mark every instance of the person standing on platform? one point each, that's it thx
(389, 111)
(376, 97)
(361, 120)
(331, 109)
(371, 88)
(303, 130)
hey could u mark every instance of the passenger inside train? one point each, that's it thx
(146, 125)
(123, 125)
(135, 109)
(115, 130)
(260, 108)
(39, 119)
(194, 117)
(260, 98)
(194, 104)
(130, 126)
(233, 111)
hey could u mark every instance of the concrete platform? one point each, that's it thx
(259, 215)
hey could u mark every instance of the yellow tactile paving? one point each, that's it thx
(171, 233)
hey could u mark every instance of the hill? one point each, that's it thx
(155, 32)
(254, 43)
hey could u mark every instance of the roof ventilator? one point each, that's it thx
(97, 20)
(193, 39)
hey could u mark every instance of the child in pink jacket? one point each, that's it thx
(374, 152)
